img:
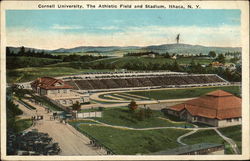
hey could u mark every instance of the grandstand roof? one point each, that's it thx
(217, 104)
(50, 83)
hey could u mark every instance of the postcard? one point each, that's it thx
(124, 80)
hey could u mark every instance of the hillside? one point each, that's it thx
(118, 51)
(190, 49)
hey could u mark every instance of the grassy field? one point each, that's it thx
(23, 124)
(130, 142)
(23, 61)
(29, 74)
(102, 102)
(184, 93)
(120, 96)
(79, 64)
(207, 136)
(159, 60)
(235, 133)
(120, 62)
(121, 116)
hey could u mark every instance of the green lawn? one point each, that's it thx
(102, 102)
(123, 62)
(77, 122)
(118, 97)
(207, 136)
(159, 60)
(121, 116)
(23, 124)
(235, 133)
(24, 61)
(130, 142)
(29, 74)
(184, 93)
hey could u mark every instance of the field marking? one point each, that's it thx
(95, 96)
(133, 95)
(113, 97)
(125, 97)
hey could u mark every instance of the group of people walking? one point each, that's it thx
(37, 117)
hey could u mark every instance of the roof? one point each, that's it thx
(217, 104)
(50, 83)
(187, 149)
(219, 93)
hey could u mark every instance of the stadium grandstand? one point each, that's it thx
(117, 81)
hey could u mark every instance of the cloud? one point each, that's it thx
(109, 28)
(227, 36)
(65, 27)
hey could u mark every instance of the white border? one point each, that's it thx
(242, 5)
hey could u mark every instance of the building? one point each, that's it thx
(230, 66)
(217, 108)
(58, 92)
(47, 86)
(196, 149)
(149, 56)
(217, 64)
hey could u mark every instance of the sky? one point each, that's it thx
(53, 29)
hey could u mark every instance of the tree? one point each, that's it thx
(148, 112)
(8, 52)
(140, 114)
(221, 58)
(76, 106)
(22, 51)
(132, 106)
(167, 55)
(176, 67)
(212, 54)
(192, 64)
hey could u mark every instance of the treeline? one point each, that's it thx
(12, 111)
(165, 55)
(237, 53)
(234, 76)
(32, 58)
(30, 53)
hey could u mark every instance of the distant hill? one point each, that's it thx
(115, 50)
(94, 49)
(190, 49)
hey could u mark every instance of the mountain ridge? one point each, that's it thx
(170, 48)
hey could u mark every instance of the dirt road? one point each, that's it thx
(70, 140)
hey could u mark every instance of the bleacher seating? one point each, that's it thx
(145, 81)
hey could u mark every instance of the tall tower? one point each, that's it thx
(178, 38)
